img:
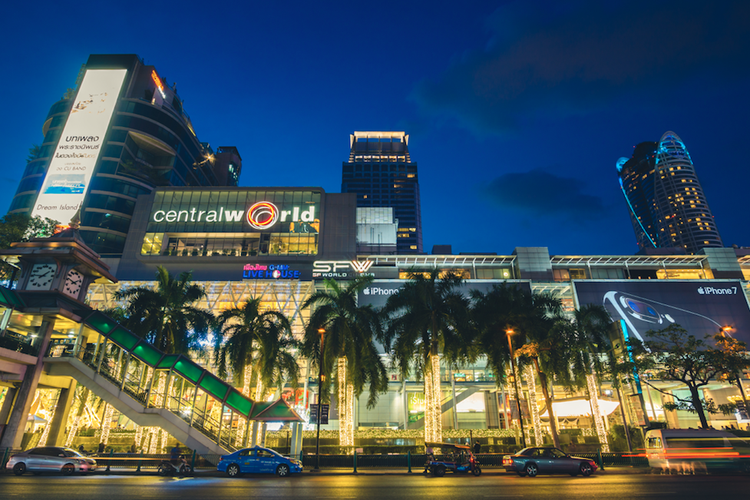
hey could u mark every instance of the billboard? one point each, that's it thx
(377, 292)
(78, 149)
(701, 307)
(240, 211)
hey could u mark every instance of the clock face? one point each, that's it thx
(73, 283)
(41, 276)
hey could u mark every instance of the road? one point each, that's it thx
(332, 487)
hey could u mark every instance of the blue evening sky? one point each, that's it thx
(517, 111)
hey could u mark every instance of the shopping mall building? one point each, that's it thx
(280, 244)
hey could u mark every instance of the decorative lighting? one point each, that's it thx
(433, 428)
(346, 405)
(534, 406)
(598, 420)
(107, 423)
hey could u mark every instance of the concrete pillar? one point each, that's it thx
(10, 396)
(13, 434)
(57, 434)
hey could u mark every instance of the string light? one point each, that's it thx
(433, 401)
(107, 422)
(534, 406)
(346, 405)
(50, 416)
(598, 420)
(77, 421)
(138, 436)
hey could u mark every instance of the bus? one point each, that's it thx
(696, 450)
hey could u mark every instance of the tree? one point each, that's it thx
(674, 354)
(589, 331)
(426, 316)
(21, 227)
(350, 334)
(545, 345)
(736, 361)
(250, 339)
(166, 316)
(34, 152)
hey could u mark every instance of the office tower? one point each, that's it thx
(381, 173)
(121, 133)
(667, 205)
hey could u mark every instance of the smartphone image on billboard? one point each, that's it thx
(641, 314)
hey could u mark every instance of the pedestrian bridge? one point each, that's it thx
(163, 390)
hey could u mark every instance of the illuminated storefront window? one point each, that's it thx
(681, 274)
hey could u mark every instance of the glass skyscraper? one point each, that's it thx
(666, 201)
(121, 133)
(381, 173)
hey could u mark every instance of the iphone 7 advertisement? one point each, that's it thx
(700, 307)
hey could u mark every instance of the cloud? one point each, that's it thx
(561, 60)
(539, 193)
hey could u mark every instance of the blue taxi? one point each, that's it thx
(257, 460)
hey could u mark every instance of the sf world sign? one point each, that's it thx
(261, 215)
(341, 269)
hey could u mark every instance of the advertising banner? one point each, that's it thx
(378, 291)
(80, 143)
(701, 307)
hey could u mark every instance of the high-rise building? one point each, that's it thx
(121, 133)
(381, 173)
(667, 205)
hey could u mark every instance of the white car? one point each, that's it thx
(50, 459)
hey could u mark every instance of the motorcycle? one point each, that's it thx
(167, 468)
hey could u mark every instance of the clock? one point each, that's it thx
(73, 283)
(41, 276)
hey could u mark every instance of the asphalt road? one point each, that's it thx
(380, 487)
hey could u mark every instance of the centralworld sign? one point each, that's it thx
(238, 211)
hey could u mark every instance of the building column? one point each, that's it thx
(13, 434)
(10, 397)
(57, 434)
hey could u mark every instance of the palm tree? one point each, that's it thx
(426, 316)
(350, 334)
(590, 327)
(166, 316)
(543, 345)
(249, 339)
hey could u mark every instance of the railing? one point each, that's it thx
(18, 343)
(114, 372)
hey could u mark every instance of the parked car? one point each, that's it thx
(532, 461)
(50, 459)
(257, 460)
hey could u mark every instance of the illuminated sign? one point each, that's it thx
(158, 83)
(261, 215)
(269, 272)
(77, 151)
(341, 269)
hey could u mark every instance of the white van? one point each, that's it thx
(696, 450)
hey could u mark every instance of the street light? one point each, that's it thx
(509, 332)
(322, 332)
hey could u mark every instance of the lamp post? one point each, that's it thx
(509, 332)
(322, 332)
